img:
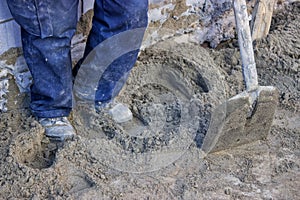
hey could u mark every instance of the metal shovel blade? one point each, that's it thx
(248, 116)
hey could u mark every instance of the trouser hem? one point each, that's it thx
(52, 113)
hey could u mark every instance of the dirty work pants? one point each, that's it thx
(47, 27)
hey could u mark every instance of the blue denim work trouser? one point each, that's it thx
(47, 27)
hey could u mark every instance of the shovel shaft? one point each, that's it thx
(245, 44)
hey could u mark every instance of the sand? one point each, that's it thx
(172, 92)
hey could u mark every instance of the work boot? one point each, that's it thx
(59, 129)
(119, 112)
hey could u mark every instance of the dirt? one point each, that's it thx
(172, 92)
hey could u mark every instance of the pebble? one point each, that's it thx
(227, 191)
(30, 181)
(32, 124)
(195, 185)
(26, 194)
(102, 176)
(9, 159)
(35, 197)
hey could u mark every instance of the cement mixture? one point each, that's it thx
(172, 92)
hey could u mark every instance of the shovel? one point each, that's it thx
(248, 116)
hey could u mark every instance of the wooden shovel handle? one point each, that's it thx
(245, 44)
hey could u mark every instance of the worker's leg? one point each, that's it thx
(47, 29)
(110, 18)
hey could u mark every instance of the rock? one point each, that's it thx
(227, 191)
(120, 113)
